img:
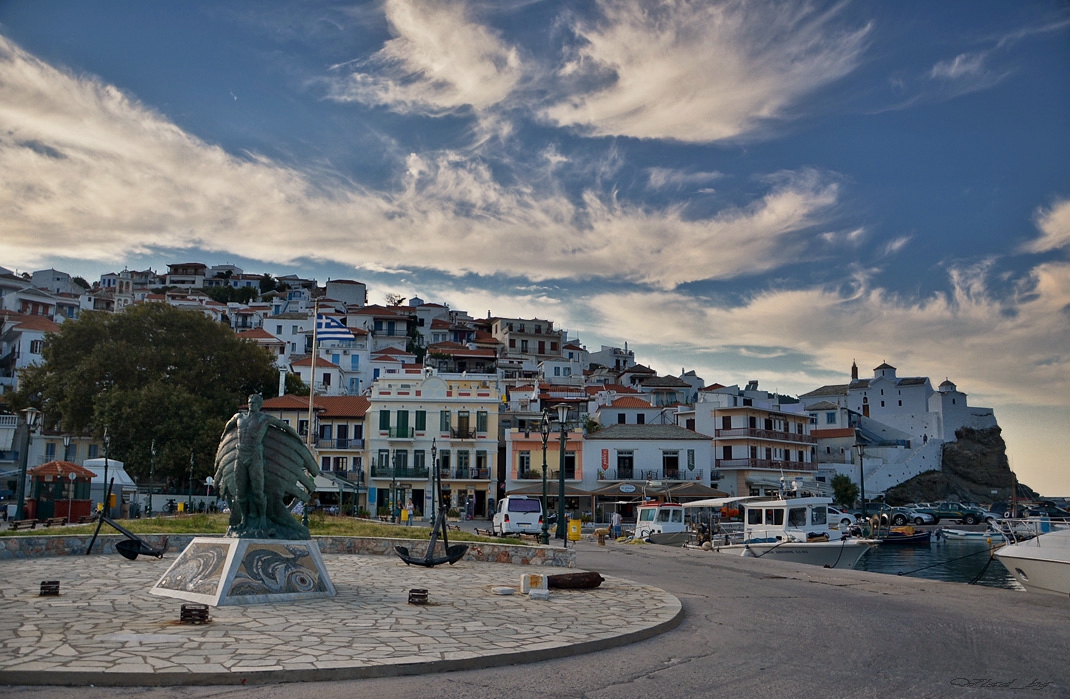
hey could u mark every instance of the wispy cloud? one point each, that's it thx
(439, 61)
(963, 65)
(702, 72)
(1054, 225)
(666, 178)
(102, 176)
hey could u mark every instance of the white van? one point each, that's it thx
(517, 513)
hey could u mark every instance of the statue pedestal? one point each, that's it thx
(225, 571)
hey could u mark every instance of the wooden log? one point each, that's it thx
(574, 581)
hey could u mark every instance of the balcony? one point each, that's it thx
(340, 444)
(771, 464)
(650, 474)
(776, 435)
(468, 474)
(400, 432)
(400, 473)
(462, 434)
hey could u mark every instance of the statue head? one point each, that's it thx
(256, 402)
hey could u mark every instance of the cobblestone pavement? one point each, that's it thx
(106, 629)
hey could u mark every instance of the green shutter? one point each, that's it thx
(421, 420)
(444, 421)
(384, 419)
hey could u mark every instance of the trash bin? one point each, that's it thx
(574, 529)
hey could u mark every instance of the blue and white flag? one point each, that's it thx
(328, 328)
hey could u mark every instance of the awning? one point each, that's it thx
(552, 490)
(330, 483)
(676, 489)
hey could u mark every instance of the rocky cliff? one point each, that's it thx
(971, 468)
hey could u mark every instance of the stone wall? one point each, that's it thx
(12, 547)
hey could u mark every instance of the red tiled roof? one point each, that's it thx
(257, 334)
(61, 468)
(630, 402)
(38, 323)
(321, 363)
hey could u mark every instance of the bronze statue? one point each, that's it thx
(262, 464)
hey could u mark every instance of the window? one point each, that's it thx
(94, 451)
(278, 329)
(553, 348)
(50, 451)
(481, 421)
(512, 343)
(640, 419)
(900, 404)
(403, 423)
(341, 464)
(523, 345)
(524, 464)
(325, 463)
(325, 431)
(670, 463)
(830, 418)
(625, 464)
(542, 347)
(797, 517)
(421, 420)
(302, 427)
(419, 461)
(622, 418)
(481, 464)
(570, 464)
(36, 346)
(384, 419)
(882, 404)
(444, 421)
(557, 371)
(463, 462)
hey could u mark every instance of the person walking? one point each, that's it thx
(615, 522)
(409, 511)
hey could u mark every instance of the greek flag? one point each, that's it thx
(328, 328)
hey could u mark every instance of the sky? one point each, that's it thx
(750, 190)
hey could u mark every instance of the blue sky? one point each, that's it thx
(746, 189)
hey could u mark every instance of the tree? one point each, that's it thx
(393, 299)
(268, 283)
(844, 490)
(152, 372)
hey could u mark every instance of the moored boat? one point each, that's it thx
(793, 529)
(1041, 564)
(906, 535)
(661, 523)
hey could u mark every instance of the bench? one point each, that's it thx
(22, 524)
(87, 519)
(453, 527)
(56, 521)
(485, 532)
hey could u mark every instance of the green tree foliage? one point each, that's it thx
(228, 294)
(153, 372)
(844, 490)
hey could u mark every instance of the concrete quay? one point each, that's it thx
(105, 629)
(750, 628)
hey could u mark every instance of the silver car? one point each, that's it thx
(903, 515)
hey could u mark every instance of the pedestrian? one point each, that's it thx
(409, 511)
(615, 521)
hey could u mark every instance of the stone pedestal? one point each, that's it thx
(224, 571)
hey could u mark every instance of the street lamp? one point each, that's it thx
(29, 422)
(562, 418)
(393, 485)
(861, 448)
(434, 483)
(107, 494)
(544, 430)
(152, 474)
(66, 447)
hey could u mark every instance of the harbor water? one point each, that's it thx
(949, 560)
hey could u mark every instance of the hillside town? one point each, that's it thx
(497, 403)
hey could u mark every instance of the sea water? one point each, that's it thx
(951, 560)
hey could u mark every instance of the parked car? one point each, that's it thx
(958, 512)
(903, 515)
(840, 517)
(924, 509)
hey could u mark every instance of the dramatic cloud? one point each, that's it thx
(439, 61)
(1054, 225)
(701, 71)
(102, 177)
(1006, 347)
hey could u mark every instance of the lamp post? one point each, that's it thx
(66, 447)
(189, 499)
(152, 474)
(861, 448)
(434, 483)
(544, 430)
(107, 448)
(29, 422)
(393, 484)
(562, 418)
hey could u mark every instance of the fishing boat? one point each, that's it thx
(906, 535)
(661, 523)
(987, 535)
(792, 529)
(1041, 564)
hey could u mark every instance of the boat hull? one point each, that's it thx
(828, 554)
(1041, 564)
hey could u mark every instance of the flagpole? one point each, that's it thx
(311, 394)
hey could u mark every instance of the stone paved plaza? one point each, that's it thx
(106, 629)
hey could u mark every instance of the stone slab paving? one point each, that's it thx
(106, 629)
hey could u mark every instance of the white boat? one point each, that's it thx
(795, 530)
(1041, 564)
(987, 535)
(661, 523)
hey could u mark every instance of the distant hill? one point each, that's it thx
(972, 467)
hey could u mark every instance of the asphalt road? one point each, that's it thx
(760, 628)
